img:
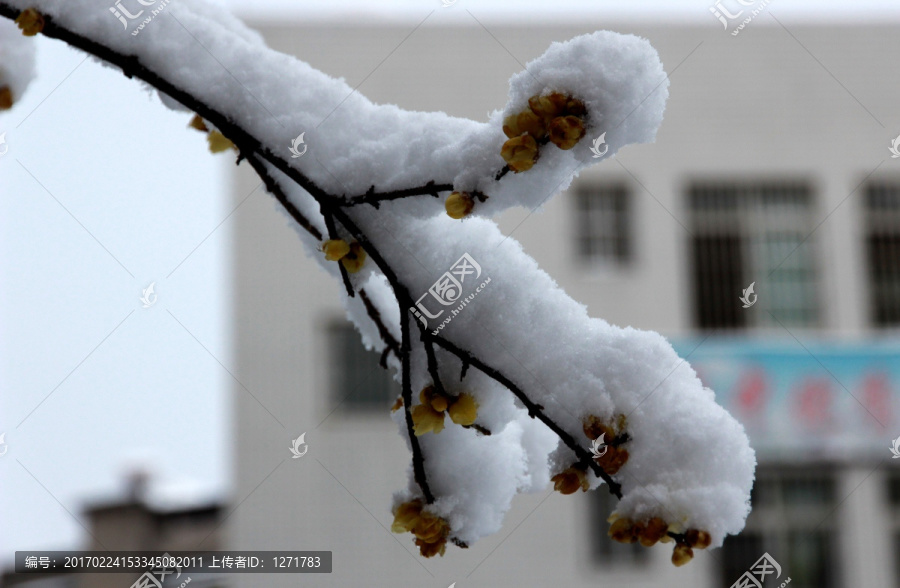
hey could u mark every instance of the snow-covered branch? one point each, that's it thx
(554, 394)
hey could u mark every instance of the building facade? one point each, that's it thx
(133, 524)
(772, 168)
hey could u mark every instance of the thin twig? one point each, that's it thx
(333, 234)
(390, 342)
(433, 366)
(375, 198)
(274, 189)
(534, 411)
(418, 460)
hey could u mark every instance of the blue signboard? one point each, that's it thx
(822, 400)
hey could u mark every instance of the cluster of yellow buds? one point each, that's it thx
(570, 480)
(556, 117)
(648, 533)
(615, 456)
(684, 550)
(429, 416)
(30, 21)
(654, 530)
(351, 255)
(459, 204)
(431, 531)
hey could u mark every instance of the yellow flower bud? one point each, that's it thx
(335, 249)
(622, 530)
(575, 107)
(431, 549)
(430, 530)
(439, 403)
(219, 142)
(566, 131)
(524, 122)
(652, 531)
(682, 554)
(398, 404)
(406, 516)
(613, 460)
(520, 153)
(570, 480)
(354, 260)
(548, 107)
(593, 427)
(426, 394)
(30, 21)
(6, 99)
(426, 420)
(697, 538)
(464, 410)
(197, 123)
(459, 204)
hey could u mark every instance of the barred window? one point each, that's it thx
(790, 521)
(882, 203)
(602, 223)
(893, 500)
(752, 234)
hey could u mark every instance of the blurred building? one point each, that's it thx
(131, 524)
(771, 167)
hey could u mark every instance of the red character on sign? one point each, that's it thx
(814, 402)
(751, 392)
(876, 398)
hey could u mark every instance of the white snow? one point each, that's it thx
(690, 462)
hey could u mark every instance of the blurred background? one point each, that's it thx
(163, 420)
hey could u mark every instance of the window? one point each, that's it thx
(893, 488)
(604, 550)
(791, 522)
(752, 233)
(358, 382)
(602, 226)
(882, 205)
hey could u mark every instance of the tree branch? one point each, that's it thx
(274, 189)
(418, 461)
(332, 208)
(390, 343)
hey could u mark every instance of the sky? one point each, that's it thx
(102, 192)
